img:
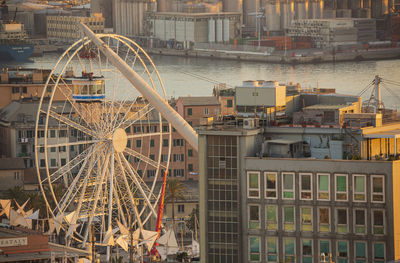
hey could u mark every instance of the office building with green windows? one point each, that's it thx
(255, 208)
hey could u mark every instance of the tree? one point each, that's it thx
(17, 193)
(175, 191)
(194, 216)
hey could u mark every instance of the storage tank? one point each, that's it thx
(162, 6)
(286, 15)
(315, 10)
(301, 11)
(272, 17)
(232, 5)
(249, 6)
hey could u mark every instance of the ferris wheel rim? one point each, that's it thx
(83, 42)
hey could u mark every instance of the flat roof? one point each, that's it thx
(326, 107)
(282, 141)
(384, 134)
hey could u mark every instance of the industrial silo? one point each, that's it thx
(272, 16)
(301, 11)
(249, 9)
(232, 5)
(287, 12)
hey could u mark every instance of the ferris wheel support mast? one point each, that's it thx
(187, 132)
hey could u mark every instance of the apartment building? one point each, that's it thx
(11, 173)
(18, 84)
(66, 28)
(264, 209)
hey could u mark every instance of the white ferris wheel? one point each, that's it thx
(98, 137)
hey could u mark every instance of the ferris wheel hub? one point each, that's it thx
(120, 140)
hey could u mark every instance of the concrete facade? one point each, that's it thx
(272, 210)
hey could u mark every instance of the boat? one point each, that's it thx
(167, 244)
(13, 38)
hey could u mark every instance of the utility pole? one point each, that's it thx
(93, 244)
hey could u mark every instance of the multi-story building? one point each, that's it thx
(263, 209)
(17, 138)
(66, 28)
(18, 84)
(197, 110)
(11, 173)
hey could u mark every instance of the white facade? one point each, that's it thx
(256, 93)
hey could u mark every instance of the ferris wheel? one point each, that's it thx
(101, 140)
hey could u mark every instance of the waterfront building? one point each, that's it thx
(266, 209)
(66, 28)
(334, 32)
(195, 27)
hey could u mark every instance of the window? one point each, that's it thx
(151, 143)
(341, 219)
(342, 251)
(62, 133)
(379, 252)
(151, 173)
(138, 143)
(53, 149)
(254, 217)
(272, 249)
(63, 161)
(378, 220)
(165, 142)
(40, 134)
(15, 90)
(305, 186)
(341, 187)
(29, 133)
(190, 153)
(289, 249)
(272, 217)
(177, 142)
(253, 184)
(359, 185)
(190, 167)
(189, 111)
(53, 162)
(152, 157)
(271, 185)
(378, 186)
(128, 129)
(360, 252)
(360, 219)
(288, 218)
(16, 176)
(306, 250)
(165, 128)
(229, 103)
(178, 157)
(181, 208)
(254, 245)
(306, 219)
(323, 186)
(52, 133)
(205, 111)
(179, 172)
(324, 219)
(62, 148)
(324, 250)
(164, 157)
(288, 185)
(24, 90)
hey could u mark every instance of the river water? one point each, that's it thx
(346, 77)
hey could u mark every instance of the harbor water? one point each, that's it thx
(178, 74)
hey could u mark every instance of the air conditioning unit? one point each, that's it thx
(250, 123)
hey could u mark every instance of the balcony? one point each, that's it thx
(23, 140)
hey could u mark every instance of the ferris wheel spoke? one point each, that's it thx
(71, 143)
(140, 181)
(67, 198)
(70, 123)
(117, 199)
(145, 159)
(67, 167)
(132, 119)
(98, 188)
(138, 185)
(141, 135)
(131, 197)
